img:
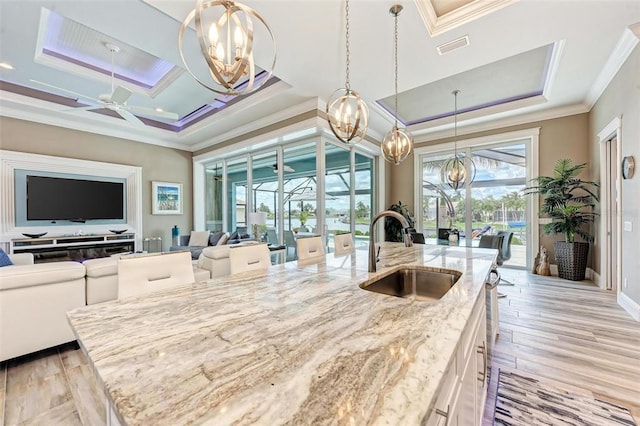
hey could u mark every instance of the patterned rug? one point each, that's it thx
(527, 401)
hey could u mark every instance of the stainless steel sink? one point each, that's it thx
(418, 284)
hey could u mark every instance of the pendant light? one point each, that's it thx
(347, 113)
(457, 170)
(226, 38)
(397, 143)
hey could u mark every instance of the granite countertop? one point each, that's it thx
(300, 344)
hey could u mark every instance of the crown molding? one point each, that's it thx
(486, 123)
(304, 129)
(29, 109)
(622, 50)
(279, 116)
(437, 25)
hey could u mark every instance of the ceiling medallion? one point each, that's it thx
(225, 31)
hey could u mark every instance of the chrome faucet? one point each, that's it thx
(408, 242)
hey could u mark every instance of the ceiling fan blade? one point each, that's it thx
(120, 95)
(129, 117)
(153, 112)
(77, 95)
(87, 108)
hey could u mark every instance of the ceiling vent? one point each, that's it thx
(453, 45)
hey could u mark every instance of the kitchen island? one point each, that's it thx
(299, 344)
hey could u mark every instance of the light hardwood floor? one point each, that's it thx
(570, 332)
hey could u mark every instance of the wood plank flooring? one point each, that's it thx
(572, 333)
(51, 387)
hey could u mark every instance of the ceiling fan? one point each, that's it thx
(116, 100)
(286, 168)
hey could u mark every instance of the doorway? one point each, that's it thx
(610, 232)
(493, 202)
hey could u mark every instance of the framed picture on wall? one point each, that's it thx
(166, 198)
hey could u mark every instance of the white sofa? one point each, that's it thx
(34, 300)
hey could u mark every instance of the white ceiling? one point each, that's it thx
(569, 50)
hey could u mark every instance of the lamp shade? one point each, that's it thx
(257, 218)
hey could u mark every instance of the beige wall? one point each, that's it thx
(399, 183)
(565, 137)
(622, 98)
(158, 164)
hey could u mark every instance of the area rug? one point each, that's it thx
(522, 400)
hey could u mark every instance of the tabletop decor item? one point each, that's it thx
(42, 234)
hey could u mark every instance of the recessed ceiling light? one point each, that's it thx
(6, 66)
(453, 45)
(159, 110)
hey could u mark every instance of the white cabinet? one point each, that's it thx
(463, 390)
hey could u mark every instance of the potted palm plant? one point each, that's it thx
(569, 202)
(393, 228)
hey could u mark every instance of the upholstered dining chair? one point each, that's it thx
(343, 244)
(505, 251)
(310, 248)
(417, 237)
(250, 257)
(290, 242)
(494, 242)
(138, 275)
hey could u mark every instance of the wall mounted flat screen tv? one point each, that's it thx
(54, 198)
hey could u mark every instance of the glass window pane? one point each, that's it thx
(363, 198)
(265, 190)
(213, 196)
(237, 195)
(337, 199)
(497, 198)
(299, 204)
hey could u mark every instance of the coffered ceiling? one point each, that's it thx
(513, 61)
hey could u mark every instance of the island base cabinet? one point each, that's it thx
(462, 394)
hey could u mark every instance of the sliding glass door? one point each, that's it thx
(493, 202)
(304, 188)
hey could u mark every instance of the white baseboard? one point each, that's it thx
(629, 305)
(592, 275)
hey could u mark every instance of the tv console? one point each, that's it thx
(74, 247)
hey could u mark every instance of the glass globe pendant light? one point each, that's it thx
(397, 143)
(454, 171)
(347, 113)
(225, 31)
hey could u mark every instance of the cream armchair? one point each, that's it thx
(34, 300)
(215, 259)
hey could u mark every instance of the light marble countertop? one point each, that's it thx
(301, 344)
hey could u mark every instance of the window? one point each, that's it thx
(493, 202)
(250, 182)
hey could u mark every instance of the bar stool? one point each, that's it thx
(140, 275)
(343, 244)
(310, 248)
(250, 257)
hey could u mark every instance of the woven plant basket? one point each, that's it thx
(571, 259)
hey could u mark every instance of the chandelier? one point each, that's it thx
(457, 170)
(397, 143)
(225, 31)
(347, 113)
